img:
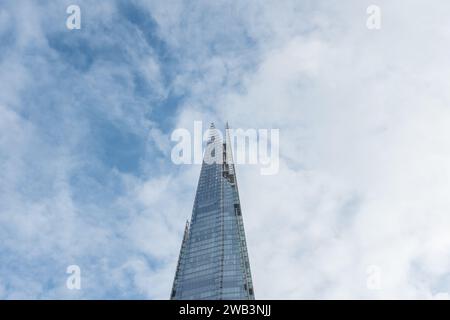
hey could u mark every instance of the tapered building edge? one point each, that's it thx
(229, 173)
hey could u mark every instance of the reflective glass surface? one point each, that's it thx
(213, 262)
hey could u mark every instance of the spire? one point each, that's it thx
(213, 134)
(214, 146)
(214, 262)
(228, 145)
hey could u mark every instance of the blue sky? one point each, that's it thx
(86, 117)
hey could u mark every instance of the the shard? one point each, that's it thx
(213, 263)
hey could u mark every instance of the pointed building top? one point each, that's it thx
(214, 135)
(217, 202)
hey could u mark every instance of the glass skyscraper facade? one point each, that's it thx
(213, 263)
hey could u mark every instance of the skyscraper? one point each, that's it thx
(213, 262)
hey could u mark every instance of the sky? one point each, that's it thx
(86, 117)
